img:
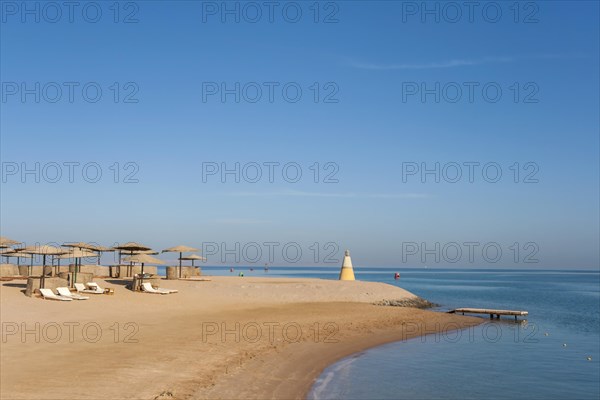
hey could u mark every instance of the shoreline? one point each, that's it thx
(226, 338)
(306, 367)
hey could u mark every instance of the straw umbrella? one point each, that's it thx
(148, 252)
(58, 258)
(69, 254)
(88, 246)
(5, 247)
(180, 249)
(65, 256)
(44, 251)
(8, 253)
(192, 257)
(144, 259)
(80, 245)
(100, 250)
(77, 254)
(20, 254)
(7, 242)
(131, 247)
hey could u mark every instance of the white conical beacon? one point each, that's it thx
(347, 272)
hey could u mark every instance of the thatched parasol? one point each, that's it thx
(102, 249)
(144, 259)
(131, 248)
(7, 242)
(81, 245)
(180, 249)
(44, 251)
(8, 253)
(192, 257)
(149, 252)
(77, 254)
(88, 246)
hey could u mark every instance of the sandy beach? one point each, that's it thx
(226, 338)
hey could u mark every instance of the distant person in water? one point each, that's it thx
(241, 273)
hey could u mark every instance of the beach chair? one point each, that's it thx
(65, 292)
(147, 287)
(48, 294)
(93, 290)
(167, 291)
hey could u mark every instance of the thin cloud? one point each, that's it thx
(434, 65)
(296, 193)
(455, 63)
(240, 221)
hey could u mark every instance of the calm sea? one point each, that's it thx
(545, 357)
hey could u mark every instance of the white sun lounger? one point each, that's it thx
(49, 294)
(147, 287)
(94, 288)
(65, 292)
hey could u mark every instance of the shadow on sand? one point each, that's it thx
(120, 282)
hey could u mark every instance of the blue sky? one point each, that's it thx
(366, 62)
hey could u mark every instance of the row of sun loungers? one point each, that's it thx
(64, 293)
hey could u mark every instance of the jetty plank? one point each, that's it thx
(491, 312)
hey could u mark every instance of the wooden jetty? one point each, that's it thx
(497, 313)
